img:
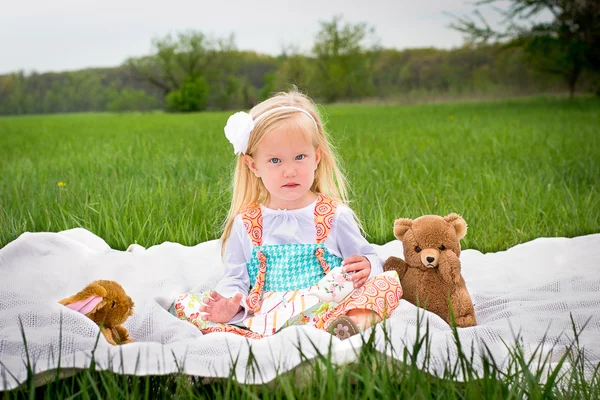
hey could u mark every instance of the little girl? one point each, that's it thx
(288, 227)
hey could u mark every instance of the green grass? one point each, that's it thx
(515, 170)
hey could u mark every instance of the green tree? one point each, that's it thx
(297, 70)
(16, 100)
(215, 74)
(564, 46)
(191, 96)
(344, 59)
(176, 60)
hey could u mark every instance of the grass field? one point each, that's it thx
(515, 170)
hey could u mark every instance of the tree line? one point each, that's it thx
(193, 72)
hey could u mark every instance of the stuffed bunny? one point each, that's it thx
(107, 304)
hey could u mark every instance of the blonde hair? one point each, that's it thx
(248, 189)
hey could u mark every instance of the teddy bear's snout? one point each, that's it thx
(430, 257)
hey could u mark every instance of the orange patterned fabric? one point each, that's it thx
(380, 294)
(254, 299)
(319, 254)
(233, 329)
(324, 212)
(252, 218)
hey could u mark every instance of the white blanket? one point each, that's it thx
(524, 295)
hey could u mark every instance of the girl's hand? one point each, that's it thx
(219, 308)
(361, 266)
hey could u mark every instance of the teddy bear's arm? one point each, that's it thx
(107, 332)
(395, 264)
(117, 335)
(449, 267)
(123, 335)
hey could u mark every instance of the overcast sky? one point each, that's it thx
(57, 35)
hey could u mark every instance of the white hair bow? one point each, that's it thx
(238, 129)
(240, 125)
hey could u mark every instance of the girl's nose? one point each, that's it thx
(289, 172)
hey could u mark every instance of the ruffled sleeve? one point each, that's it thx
(346, 239)
(236, 280)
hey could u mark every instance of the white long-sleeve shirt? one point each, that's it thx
(290, 227)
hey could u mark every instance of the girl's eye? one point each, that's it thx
(274, 160)
(442, 248)
(300, 157)
(418, 249)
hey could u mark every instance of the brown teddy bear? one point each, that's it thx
(430, 274)
(107, 304)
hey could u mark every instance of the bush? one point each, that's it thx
(192, 96)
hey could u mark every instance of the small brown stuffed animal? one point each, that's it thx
(430, 274)
(107, 304)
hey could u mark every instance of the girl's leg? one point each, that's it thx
(364, 318)
(187, 307)
(369, 304)
(353, 322)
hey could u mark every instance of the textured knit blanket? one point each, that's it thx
(536, 295)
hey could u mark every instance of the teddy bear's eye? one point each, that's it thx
(442, 248)
(418, 249)
(113, 304)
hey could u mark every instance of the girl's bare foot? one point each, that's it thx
(355, 321)
(364, 318)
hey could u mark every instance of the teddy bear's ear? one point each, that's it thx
(88, 300)
(401, 226)
(85, 306)
(459, 224)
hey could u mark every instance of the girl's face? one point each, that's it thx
(286, 162)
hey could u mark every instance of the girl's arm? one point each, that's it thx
(236, 279)
(349, 241)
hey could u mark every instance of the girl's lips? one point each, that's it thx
(291, 185)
